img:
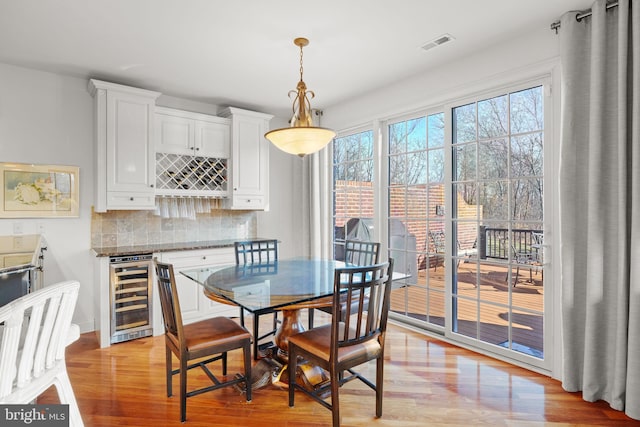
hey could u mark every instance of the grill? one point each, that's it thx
(130, 288)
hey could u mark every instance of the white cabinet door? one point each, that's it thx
(192, 134)
(212, 139)
(194, 305)
(249, 159)
(174, 134)
(124, 163)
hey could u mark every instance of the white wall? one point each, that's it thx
(48, 119)
(283, 221)
(512, 58)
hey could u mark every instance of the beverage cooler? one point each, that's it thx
(130, 279)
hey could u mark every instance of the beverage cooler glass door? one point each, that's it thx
(130, 279)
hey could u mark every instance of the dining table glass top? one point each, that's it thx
(264, 287)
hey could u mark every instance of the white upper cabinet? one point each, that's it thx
(194, 134)
(192, 153)
(124, 161)
(249, 165)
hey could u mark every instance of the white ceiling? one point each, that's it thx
(241, 52)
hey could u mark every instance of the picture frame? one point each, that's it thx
(38, 191)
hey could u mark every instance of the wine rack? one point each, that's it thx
(191, 175)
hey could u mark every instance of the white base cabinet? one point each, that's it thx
(194, 304)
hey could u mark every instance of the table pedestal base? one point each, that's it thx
(273, 367)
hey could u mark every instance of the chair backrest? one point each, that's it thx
(34, 335)
(537, 238)
(361, 253)
(168, 293)
(437, 238)
(369, 321)
(256, 252)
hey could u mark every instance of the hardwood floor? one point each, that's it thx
(427, 382)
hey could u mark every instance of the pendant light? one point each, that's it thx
(302, 137)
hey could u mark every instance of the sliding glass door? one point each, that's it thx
(497, 231)
(416, 219)
(462, 214)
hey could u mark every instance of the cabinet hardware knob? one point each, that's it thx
(131, 198)
(197, 148)
(151, 186)
(204, 257)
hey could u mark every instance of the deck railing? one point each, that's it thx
(491, 241)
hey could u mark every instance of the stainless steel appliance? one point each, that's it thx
(21, 265)
(130, 279)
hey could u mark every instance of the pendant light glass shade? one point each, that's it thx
(300, 140)
(302, 137)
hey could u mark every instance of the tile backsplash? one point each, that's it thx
(131, 228)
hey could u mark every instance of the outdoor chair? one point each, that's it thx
(438, 241)
(255, 253)
(36, 328)
(198, 344)
(341, 346)
(356, 253)
(537, 240)
(521, 257)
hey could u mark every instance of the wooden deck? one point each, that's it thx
(483, 304)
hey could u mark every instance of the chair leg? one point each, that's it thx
(66, 396)
(293, 366)
(256, 334)
(224, 363)
(247, 369)
(168, 368)
(335, 401)
(379, 383)
(183, 389)
(311, 318)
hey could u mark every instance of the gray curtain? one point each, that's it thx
(315, 227)
(600, 204)
(317, 219)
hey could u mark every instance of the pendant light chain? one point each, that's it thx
(300, 62)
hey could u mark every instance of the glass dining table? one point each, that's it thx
(286, 285)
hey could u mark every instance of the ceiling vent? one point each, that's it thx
(445, 38)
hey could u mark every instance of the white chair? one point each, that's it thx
(36, 330)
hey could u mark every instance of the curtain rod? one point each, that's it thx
(582, 15)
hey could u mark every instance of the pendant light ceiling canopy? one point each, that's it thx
(302, 137)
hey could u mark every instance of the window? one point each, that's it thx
(497, 188)
(353, 198)
(416, 221)
(463, 203)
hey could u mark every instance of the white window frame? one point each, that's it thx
(546, 73)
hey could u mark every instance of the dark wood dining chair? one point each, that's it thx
(355, 253)
(343, 345)
(257, 252)
(198, 344)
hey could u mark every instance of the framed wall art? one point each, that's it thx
(36, 191)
